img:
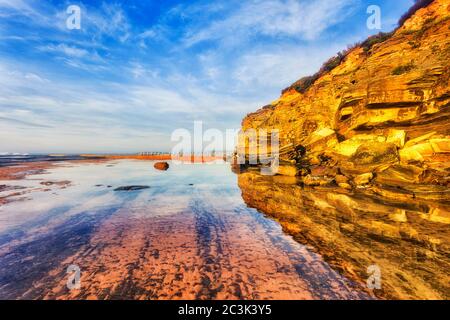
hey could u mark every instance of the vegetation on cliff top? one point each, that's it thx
(306, 82)
(419, 4)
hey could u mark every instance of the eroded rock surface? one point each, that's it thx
(383, 110)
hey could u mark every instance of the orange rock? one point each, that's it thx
(363, 179)
(163, 166)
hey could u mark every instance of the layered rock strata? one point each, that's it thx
(380, 118)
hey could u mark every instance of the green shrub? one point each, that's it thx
(306, 82)
(303, 84)
(402, 69)
(428, 21)
(375, 39)
(414, 44)
(331, 64)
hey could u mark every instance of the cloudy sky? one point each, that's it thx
(137, 70)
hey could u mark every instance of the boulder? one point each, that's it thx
(345, 186)
(324, 171)
(441, 145)
(401, 173)
(375, 153)
(341, 179)
(420, 139)
(286, 170)
(423, 148)
(322, 139)
(397, 137)
(163, 166)
(348, 147)
(417, 152)
(314, 181)
(363, 179)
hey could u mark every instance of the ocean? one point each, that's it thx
(15, 159)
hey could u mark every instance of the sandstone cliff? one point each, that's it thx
(378, 114)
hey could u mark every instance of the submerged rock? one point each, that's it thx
(55, 183)
(316, 181)
(288, 170)
(344, 185)
(131, 188)
(163, 166)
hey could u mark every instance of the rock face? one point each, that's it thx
(384, 109)
(163, 166)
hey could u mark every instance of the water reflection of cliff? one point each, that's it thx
(408, 240)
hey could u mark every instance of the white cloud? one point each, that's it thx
(31, 12)
(299, 19)
(17, 5)
(108, 21)
(67, 50)
(278, 67)
(155, 92)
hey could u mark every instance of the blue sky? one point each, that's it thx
(137, 70)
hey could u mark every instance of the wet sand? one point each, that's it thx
(21, 171)
(189, 236)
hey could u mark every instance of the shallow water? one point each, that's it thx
(190, 235)
(405, 241)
